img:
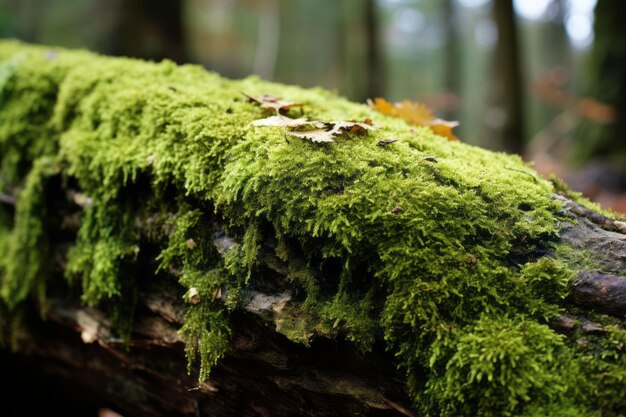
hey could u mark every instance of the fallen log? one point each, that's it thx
(156, 220)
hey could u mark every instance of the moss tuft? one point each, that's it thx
(441, 247)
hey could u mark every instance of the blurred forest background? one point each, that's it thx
(542, 78)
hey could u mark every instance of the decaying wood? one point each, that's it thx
(263, 373)
(603, 292)
(604, 240)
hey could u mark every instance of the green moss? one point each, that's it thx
(26, 247)
(437, 245)
(498, 366)
(352, 316)
(562, 188)
(602, 363)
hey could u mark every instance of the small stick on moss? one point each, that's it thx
(385, 142)
(523, 172)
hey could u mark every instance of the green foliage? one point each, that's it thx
(25, 248)
(602, 360)
(352, 316)
(498, 366)
(540, 288)
(190, 247)
(7, 70)
(205, 333)
(435, 244)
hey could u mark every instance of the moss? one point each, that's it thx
(602, 363)
(562, 188)
(437, 245)
(26, 247)
(499, 366)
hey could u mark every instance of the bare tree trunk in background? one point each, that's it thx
(268, 39)
(608, 84)
(557, 52)
(505, 118)
(451, 61)
(29, 13)
(554, 62)
(374, 79)
(361, 55)
(151, 29)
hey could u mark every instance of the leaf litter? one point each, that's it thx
(313, 130)
(416, 114)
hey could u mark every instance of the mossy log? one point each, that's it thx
(162, 255)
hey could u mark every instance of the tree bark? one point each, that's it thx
(506, 121)
(263, 373)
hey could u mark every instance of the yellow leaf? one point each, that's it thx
(416, 114)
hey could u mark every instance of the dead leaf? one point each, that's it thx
(193, 295)
(326, 131)
(444, 128)
(317, 135)
(416, 114)
(382, 106)
(267, 101)
(314, 130)
(366, 121)
(282, 121)
(354, 128)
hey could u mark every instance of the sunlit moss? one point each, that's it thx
(437, 245)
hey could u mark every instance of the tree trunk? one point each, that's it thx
(374, 58)
(506, 117)
(604, 138)
(151, 30)
(74, 354)
(452, 63)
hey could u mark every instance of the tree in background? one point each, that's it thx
(374, 84)
(150, 29)
(505, 118)
(452, 64)
(607, 84)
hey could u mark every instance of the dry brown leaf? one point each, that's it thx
(413, 112)
(416, 114)
(314, 130)
(382, 106)
(444, 128)
(354, 128)
(317, 135)
(267, 101)
(282, 121)
(327, 131)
